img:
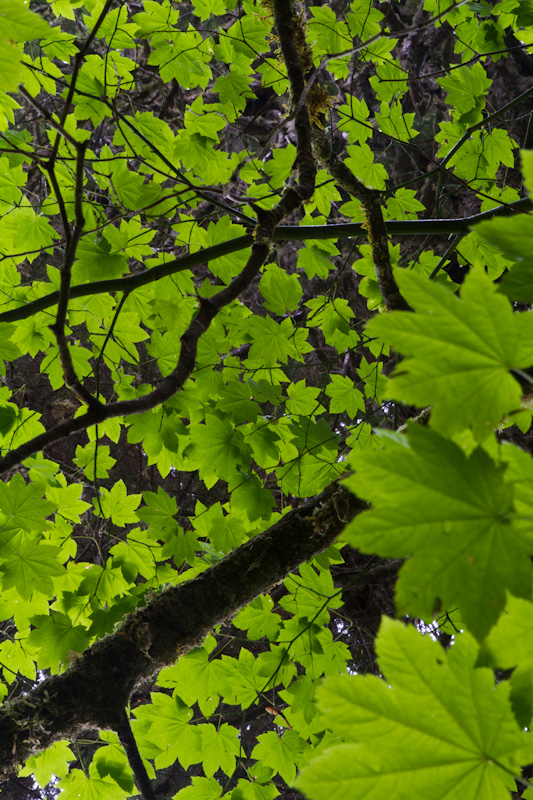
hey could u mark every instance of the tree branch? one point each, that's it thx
(268, 220)
(127, 740)
(58, 328)
(284, 233)
(96, 689)
(374, 223)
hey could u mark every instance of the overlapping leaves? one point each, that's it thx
(459, 352)
(452, 516)
(244, 419)
(436, 727)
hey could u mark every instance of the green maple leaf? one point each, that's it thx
(436, 728)
(236, 400)
(513, 236)
(51, 365)
(225, 267)
(96, 260)
(259, 788)
(315, 260)
(276, 666)
(281, 753)
(19, 24)
(453, 515)
(362, 163)
(159, 511)
(333, 318)
(197, 679)
(303, 399)
(199, 119)
(221, 746)
(234, 88)
(110, 760)
(258, 619)
(344, 396)
(272, 342)
(67, 498)
(154, 18)
(8, 419)
(117, 504)
(131, 238)
(17, 657)
(103, 583)
(301, 697)
(204, 8)
(243, 680)
(308, 474)
(510, 641)
(56, 636)
(79, 786)
(466, 88)
(459, 353)
(282, 292)
(327, 34)
(165, 726)
(23, 504)
(509, 645)
(11, 178)
(247, 36)
(159, 433)
(225, 531)
(184, 60)
(30, 566)
(250, 496)
(138, 554)
(310, 593)
(200, 789)
(218, 449)
(94, 458)
(52, 761)
(353, 119)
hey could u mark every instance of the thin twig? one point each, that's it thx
(293, 197)
(127, 740)
(75, 72)
(57, 126)
(284, 233)
(58, 327)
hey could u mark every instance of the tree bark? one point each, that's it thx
(96, 688)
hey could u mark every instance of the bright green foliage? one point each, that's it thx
(458, 350)
(189, 401)
(196, 679)
(52, 761)
(77, 786)
(403, 735)
(258, 619)
(280, 754)
(454, 515)
(164, 732)
(56, 637)
(19, 25)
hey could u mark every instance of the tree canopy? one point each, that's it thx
(266, 362)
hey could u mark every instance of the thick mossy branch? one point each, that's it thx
(96, 689)
(291, 32)
(374, 222)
